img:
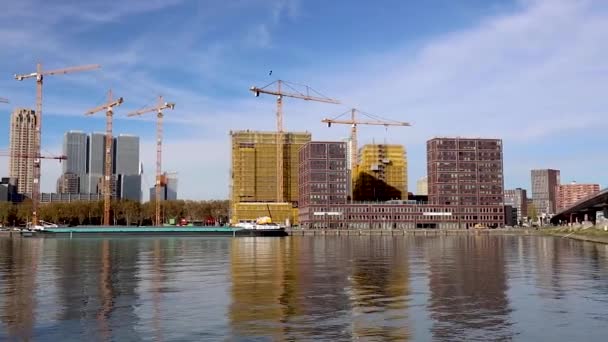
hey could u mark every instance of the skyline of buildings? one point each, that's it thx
(85, 167)
(86, 152)
(22, 147)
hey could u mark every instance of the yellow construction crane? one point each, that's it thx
(377, 121)
(107, 179)
(39, 76)
(309, 94)
(160, 180)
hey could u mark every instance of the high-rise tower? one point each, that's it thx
(544, 190)
(75, 149)
(22, 148)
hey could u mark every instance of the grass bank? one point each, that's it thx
(592, 234)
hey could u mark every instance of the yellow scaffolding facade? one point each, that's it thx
(254, 175)
(381, 174)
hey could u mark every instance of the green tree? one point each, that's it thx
(24, 212)
(81, 210)
(532, 212)
(131, 211)
(5, 212)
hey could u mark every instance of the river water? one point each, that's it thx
(366, 288)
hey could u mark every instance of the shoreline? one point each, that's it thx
(588, 235)
(412, 232)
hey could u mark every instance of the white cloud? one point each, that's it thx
(523, 76)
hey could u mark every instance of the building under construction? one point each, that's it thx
(254, 175)
(381, 174)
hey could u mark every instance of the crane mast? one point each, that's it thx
(39, 76)
(107, 179)
(161, 105)
(309, 94)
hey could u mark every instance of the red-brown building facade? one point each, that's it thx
(467, 173)
(568, 194)
(465, 182)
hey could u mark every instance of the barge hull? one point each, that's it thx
(157, 231)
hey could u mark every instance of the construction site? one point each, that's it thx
(256, 190)
(381, 174)
(265, 166)
(26, 137)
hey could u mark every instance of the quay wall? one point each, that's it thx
(412, 232)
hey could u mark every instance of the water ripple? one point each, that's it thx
(448, 288)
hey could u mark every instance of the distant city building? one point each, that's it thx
(126, 167)
(8, 190)
(114, 186)
(68, 183)
(90, 183)
(129, 187)
(23, 148)
(126, 161)
(468, 173)
(517, 198)
(96, 154)
(511, 218)
(422, 186)
(544, 188)
(168, 191)
(85, 168)
(46, 197)
(75, 149)
(568, 194)
(171, 186)
(381, 173)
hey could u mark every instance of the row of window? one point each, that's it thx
(319, 186)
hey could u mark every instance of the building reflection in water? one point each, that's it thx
(262, 287)
(19, 260)
(380, 289)
(468, 286)
(325, 289)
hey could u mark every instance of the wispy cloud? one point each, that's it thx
(529, 75)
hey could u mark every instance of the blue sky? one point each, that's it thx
(532, 72)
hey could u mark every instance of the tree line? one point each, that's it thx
(124, 212)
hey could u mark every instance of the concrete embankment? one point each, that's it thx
(411, 232)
